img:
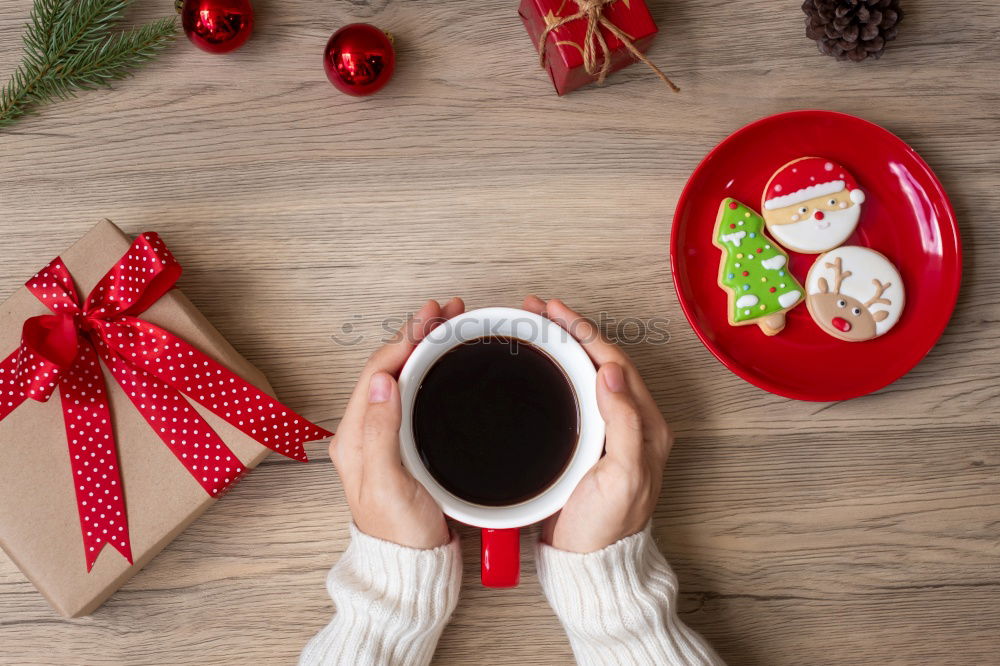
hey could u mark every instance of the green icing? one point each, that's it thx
(746, 248)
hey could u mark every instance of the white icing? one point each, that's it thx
(789, 298)
(828, 166)
(746, 301)
(774, 263)
(857, 196)
(734, 237)
(865, 265)
(805, 194)
(813, 235)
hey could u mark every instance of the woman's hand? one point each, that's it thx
(616, 498)
(386, 501)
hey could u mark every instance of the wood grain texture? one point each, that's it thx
(863, 532)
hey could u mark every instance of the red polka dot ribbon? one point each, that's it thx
(155, 368)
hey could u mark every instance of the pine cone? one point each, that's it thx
(852, 29)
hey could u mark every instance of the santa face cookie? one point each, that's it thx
(854, 293)
(812, 205)
(753, 270)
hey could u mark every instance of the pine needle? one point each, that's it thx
(72, 45)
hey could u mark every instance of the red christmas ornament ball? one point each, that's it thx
(217, 26)
(359, 59)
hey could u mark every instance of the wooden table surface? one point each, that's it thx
(863, 532)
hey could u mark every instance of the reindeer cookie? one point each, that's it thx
(854, 293)
(754, 270)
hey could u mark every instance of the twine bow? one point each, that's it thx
(593, 12)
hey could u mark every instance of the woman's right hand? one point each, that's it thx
(617, 496)
(386, 501)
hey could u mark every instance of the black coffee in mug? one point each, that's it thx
(495, 421)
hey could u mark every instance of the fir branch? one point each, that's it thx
(72, 45)
(39, 38)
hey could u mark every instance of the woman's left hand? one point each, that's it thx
(617, 496)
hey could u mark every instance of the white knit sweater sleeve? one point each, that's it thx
(618, 605)
(392, 604)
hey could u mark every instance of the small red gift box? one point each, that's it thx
(564, 45)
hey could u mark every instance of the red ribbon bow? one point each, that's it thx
(153, 367)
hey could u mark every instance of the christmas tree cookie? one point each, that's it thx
(754, 270)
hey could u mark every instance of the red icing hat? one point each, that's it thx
(807, 179)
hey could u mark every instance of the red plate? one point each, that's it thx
(907, 217)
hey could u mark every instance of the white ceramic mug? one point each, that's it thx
(500, 524)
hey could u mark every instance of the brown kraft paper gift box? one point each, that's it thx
(39, 524)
